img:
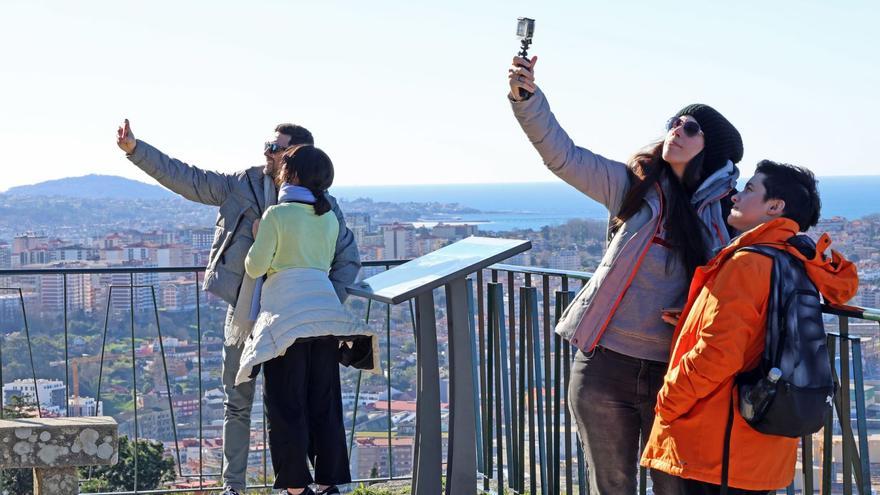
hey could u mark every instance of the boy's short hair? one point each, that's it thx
(794, 185)
(298, 134)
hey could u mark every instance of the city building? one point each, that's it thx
(173, 255)
(399, 241)
(119, 283)
(565, 259)
(425, 244)
(85, 406)
(28, 241)
(868, 297)
(5, 256)
(74, 252)
(51, 393)
(370, 456)
(454, 232)
(359, 224)
(139, 252)
(80, 295)
(177, 295)
(201, 239)
(10, 310)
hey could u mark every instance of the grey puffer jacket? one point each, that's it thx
(605, 181)
(241, 199)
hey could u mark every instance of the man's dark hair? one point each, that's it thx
(298, 134)
(794, 185)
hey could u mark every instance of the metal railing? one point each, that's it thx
(528, 444)
(526, 440)
(205, 480)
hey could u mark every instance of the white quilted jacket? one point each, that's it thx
(298, 303)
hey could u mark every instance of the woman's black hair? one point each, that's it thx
(686, 232)
(314, 171)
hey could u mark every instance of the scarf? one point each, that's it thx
(298, 194)
(239, 327)
(707, 202)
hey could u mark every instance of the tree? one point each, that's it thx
(153, 468)
(17, 481)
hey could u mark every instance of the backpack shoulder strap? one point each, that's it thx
(765, 249)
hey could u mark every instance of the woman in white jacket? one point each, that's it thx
(299, 329)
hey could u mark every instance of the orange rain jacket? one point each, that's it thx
(720, 334)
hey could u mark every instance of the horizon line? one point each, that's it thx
(818, 177)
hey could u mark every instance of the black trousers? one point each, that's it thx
(303, 401)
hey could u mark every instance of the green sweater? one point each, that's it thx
(292, 236)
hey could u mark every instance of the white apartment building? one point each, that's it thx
(50, 392)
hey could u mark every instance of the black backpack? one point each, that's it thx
(801, 399)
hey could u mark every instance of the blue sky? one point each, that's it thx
(414, 92)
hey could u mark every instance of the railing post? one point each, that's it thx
(828, 430)
(461, 476)
(807, 463)
(199, 370)
(563, 298)
(513, 424)
(844, 413)
(134, 382)
(475, 374)
(531, 300)
(861, 419)
(428, 447)
(489, 393)
(66, 356)
(526, 403)
(497, 360)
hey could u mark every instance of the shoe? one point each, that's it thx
(230, 491)
(329, 491)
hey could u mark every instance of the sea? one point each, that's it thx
(505, 207)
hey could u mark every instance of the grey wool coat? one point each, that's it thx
(241, 199)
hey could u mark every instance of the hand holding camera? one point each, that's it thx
(522, 76)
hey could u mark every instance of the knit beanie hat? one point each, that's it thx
(722, 140)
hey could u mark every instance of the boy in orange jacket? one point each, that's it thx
(721, 334)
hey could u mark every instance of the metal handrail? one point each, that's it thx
(145, 269)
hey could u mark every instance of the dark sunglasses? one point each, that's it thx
(273, 147)
(690, 127)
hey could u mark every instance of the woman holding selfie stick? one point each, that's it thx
(667, 208)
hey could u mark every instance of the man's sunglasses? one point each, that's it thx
(273, 147)
(690, 127)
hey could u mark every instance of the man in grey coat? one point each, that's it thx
(242, 198)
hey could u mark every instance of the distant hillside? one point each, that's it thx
(94, 187)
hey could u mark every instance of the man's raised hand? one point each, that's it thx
(125, 139)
